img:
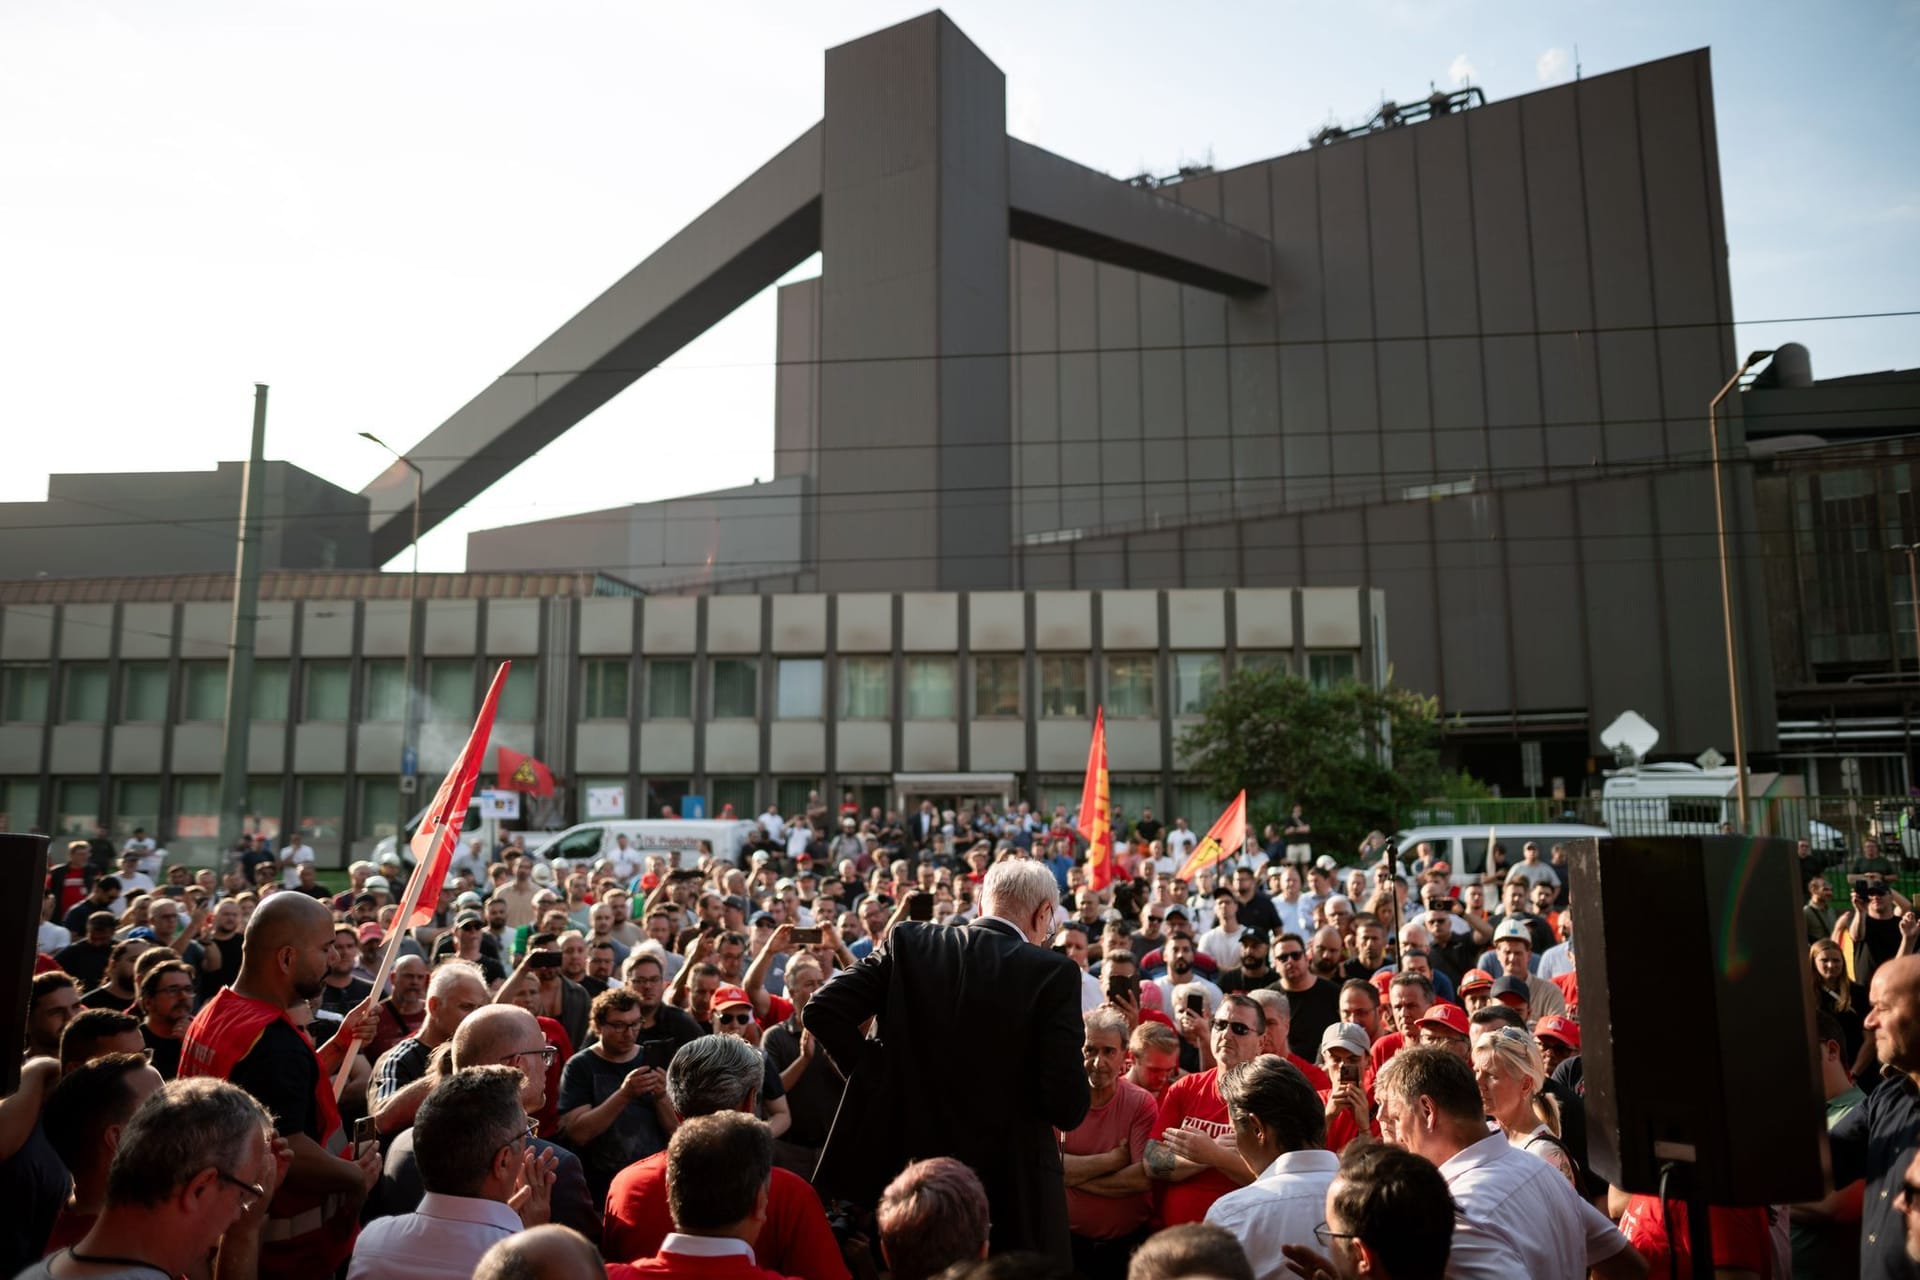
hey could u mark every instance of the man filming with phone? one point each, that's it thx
(1873, 925)
(613, 1102)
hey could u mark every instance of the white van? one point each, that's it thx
(678, 839)
(1464, 848)
(1678, 799)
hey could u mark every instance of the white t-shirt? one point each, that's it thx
(294, 856)
(1222, 945)
(1179, 843)
(51, 938)
(149, 850)
(774, 825)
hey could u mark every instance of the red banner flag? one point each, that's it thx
(439, 831)
(524, 773)
(1225, 839)
(1096, 813)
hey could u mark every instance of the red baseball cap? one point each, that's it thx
(1449, 1016)
(1439, 869)
(371, 932)
(1475, 980)
(727, 996)
(1555, 1027)
(1384, 981)
(649, 882)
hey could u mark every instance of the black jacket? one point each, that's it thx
(976, 1054)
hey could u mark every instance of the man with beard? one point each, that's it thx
(601, 963)
(244, 1035)
(118, 992)
(340, 990)
(88, 956)
(1107, 1218)
(1192, 1151)
(1315, 1000)
(1180, 969)
(403, 1013)
(1369, 951)
(166, 998)
(1326, 953)
(1256, 968)
(222, 959)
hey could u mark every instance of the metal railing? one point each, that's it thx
(1836, 825)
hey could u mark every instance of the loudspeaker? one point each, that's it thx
(1697, 1007)
(23, 883)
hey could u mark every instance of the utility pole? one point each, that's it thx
(410, 718)
(1726, 590)
(246, 611)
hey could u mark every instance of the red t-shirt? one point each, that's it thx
(686, 1266)
(1128, 1118)
(1315, 1076)
(779, 1009)
(1742, 1238)
(796, 1240)
(1383, 1050)
(549, 1113)
(69, 884)
(1193, 1102)
(1569, 984)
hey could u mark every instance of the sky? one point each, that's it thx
(376, 208)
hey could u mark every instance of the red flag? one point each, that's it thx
(524, 773)
(439, 831)
(1096, 813)
(1225, 839)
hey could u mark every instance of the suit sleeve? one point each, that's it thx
(1064, 1095)
(835, 1012)
(572, 1203)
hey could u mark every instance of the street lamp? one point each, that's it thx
(1726, 589)
(1908, 549)
(409, 723)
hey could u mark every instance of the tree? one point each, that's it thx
(1354, 756)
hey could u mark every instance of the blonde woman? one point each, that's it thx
(1510, 1071)
(1845, 999)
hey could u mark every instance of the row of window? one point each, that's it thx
(326, 691)
(929, 688)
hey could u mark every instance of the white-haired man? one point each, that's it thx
(1004, 1091)
(400, 1079)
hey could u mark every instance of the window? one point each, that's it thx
(272, 682)
(196, 808)
(321, 811)
(379, 808)
(792, 794)
(83, 692)
(737, 792)
(143, 692)
(23, 691)
(584, 843)
(264, 801)
(76, 807)
(520, 696)
(19, 804)
(1327, 669)
(1130, 685)
(1130, 799)
(384, 696)
(203, 692)
(797, 691)
(324, 690)
(449, 688)
(603, 689)
(736, 688)
(864, 689)
(996, 687)
(1063, 687)
(1264, 660)
(1196, 678)
(136, 803)
(662, 792)
(670, 689)
(930, 689)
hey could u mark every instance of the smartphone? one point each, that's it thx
(657, 1054)
(1350, 1072)
(366, 1135)
(919, 905)
(808, 937)
(1196, 1003)
(544, 960)
(1124, 986)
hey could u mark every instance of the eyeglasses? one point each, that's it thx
(255, 1193)
(1326, 1237)
(611, 1025)
(1238, 1028)
(1286, 956)
(734, 1019)
(547, 1052)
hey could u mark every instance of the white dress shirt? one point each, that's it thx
(1520, 1201)
(706, 1246)
(441, 1240)
(1281, 1206)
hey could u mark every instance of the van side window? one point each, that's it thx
(584, 843)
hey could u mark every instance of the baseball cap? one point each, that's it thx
(1345, 1035)
(371, 932)
(367, 898)
(1224, 891)
(1475, 980)
(377, 884)
(1177, 910)
(784, 884)
(141, 932)
(466, 918)
(1325, 862)
(738, 903)
(761, 917)
(1511, 928)
(1555, 1027)
(649, 882)
(1507, 985)
(1383, 982)
(1439, 869)
(1251, 934)
(760, 856)
(468, 901)
(1449, 1017)
(728, 996)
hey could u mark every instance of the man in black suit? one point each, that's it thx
(975, 1054)
(923, 824)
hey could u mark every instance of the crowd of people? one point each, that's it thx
(671, 1065)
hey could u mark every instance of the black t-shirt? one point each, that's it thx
(85, 961)
(1148, 829)
(589, 1080)
(1257, 913)
(281, 1072)
(1234, 981)
(815, 1096)
(210, 982)
(1314, 1010)
(165, 1051)
(76, 921)
(671, 1025)
(340, 1001)
(33, 1186)
(107, 998)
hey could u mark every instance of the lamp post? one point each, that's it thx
(1726, 589)
(1909, 550)
(409, 722)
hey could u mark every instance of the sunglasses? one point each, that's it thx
(734, 1019)
(1292, 955)
(1238, 1028)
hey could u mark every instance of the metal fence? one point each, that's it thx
(1836, 825)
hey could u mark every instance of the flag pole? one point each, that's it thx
(388, 954)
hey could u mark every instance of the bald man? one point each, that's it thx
(244, 1035)
(550, 1252)
(500, 1035)
(1875, 1140)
